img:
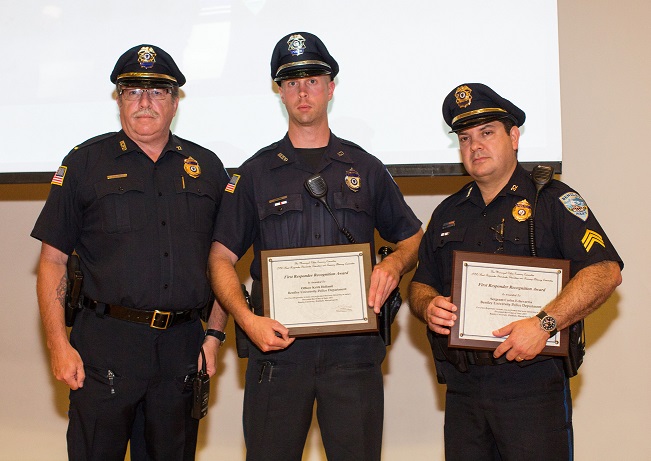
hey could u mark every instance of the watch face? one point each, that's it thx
(548, 323)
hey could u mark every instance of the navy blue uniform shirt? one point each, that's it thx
(267, 205)
(565, 228)
(142, 229)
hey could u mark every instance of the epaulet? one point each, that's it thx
(261, 152)
(350, 143)
(93, 140)
(186, 142)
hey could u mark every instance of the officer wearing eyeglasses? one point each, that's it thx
(138, 207)
(511, 403)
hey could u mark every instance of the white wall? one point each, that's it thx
(605, 101)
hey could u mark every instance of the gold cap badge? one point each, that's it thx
(463, 96)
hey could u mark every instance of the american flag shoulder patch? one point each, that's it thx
(232, 184)
(57, 179)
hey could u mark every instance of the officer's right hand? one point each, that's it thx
(67, 366)
(268, 334)
(440, 315)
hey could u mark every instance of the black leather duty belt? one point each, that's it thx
(160, 320)
(484, 358)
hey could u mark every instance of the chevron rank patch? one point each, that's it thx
(575, 205)
(590, 238)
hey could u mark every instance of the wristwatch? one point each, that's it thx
(220, 335)
(547, 323)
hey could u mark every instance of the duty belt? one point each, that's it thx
(484, 358)
(159, 320)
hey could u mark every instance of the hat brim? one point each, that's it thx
(472, 122)
(307, 68)
(146, 80)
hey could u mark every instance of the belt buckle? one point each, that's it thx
(155, 319)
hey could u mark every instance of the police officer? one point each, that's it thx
(511, 403)
(267, 205)
(138, 207)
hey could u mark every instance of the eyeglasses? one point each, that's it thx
(134, 94)
(499, 236)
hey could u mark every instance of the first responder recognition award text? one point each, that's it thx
(492, 290)
(319, 290)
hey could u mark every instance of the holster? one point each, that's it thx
(576, 349)
(388, 314)
(73, 289)
(241, 338)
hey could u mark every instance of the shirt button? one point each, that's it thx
(479, 243)
(483, 214)
(316, 204)
(317, 236)
(162, 223)
(160, 194)
(517, 239)
(165, 286)
(166, 254)
(280, 208)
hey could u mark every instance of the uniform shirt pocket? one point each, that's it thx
(196, 203)
(355, 212)
(122, 204)
(281, 221)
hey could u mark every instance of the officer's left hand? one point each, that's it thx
(384, 279)
(525, 340)
(211, 347)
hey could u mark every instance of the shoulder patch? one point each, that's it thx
(232, 184)
(59, 176)
(575, 205)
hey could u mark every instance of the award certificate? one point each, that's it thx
(319, 290)
(491, 291)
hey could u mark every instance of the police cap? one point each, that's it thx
(473, 104)
(147, 66)
(301, 54)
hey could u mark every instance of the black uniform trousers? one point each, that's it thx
(508, 412)
(341, 373)
(128, 365)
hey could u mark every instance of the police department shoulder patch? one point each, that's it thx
(575, 205)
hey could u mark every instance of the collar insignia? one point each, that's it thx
(282, 157)
(123, 145)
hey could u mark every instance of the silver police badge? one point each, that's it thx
(296, 44)
(353, 181)
(146, 57)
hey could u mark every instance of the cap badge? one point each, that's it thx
(521, 211)
(146, 57)
(353, 181)
(191, 167)
(463, 94)
(296, 44)
(575, 205)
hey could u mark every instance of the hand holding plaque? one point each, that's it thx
(319, 290)
(492, 291)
